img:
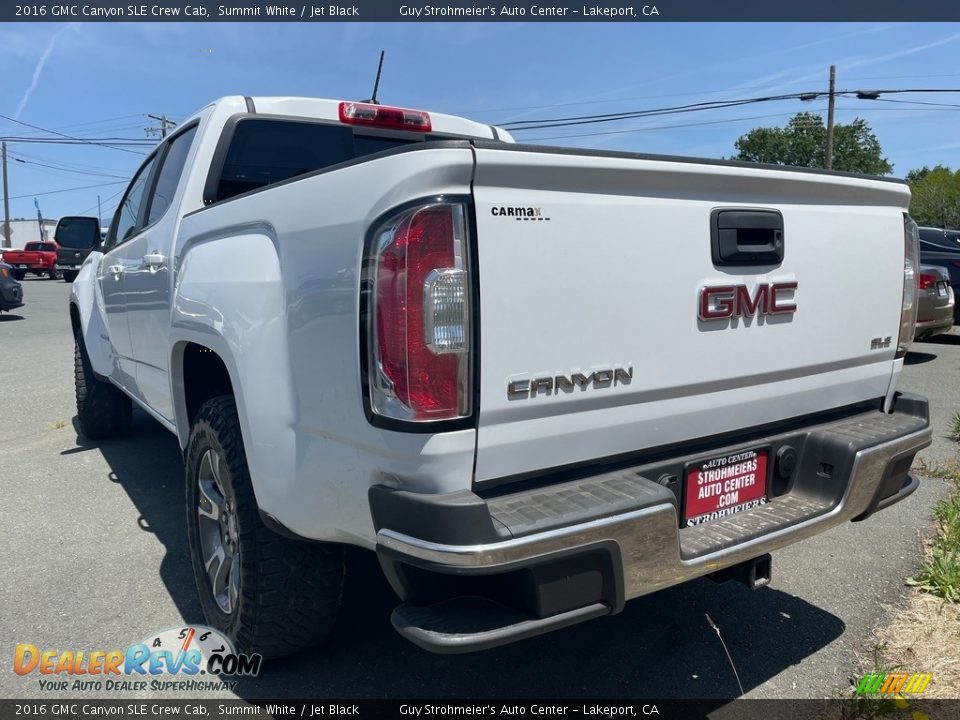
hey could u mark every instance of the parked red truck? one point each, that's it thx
(39, 258)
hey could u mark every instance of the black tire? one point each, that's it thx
(19, 274)
(102, 409)
(288, 591)
(69, 275)
(55, 274)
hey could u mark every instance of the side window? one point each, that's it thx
(170, 172)
(128, 212)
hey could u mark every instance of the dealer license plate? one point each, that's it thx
(724, 485)
(942, 288)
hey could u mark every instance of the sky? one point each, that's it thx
(102, 79)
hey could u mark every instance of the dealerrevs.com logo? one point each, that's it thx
(175, 659)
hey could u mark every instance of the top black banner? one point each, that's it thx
(480, 11)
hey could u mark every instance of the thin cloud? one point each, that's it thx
(935, 148)
(851, 63)
(39, 69)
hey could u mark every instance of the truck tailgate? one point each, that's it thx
(591, 269)
(23, 258)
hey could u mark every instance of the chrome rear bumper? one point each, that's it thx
(650, 539)
(581, 548)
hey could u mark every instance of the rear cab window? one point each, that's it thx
(256, 152)
(40, 247)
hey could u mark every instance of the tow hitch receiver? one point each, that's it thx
(754, 573)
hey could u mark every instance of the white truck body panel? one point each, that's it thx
(612, 280)
(261, 281)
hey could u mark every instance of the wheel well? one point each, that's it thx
(204, 377)
(74, 319)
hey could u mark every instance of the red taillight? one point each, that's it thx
(927, 280)
(419, 340)
(911, 271)
(354, 113)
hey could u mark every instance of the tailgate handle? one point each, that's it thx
(743, 236)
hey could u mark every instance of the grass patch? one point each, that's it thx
(59, 425)
(940, 572)
(949, 470)
(922, 637)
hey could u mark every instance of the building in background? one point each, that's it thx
(24, 230)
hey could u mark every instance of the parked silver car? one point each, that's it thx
(936, 302)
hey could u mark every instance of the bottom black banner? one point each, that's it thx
(133, 709)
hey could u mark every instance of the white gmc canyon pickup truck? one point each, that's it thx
(538, 382)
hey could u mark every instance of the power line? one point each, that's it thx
(68, 165)
(690, 107)
(79, 141)
(105, 201)
(916, 102)
(120, 144)
(725, 121)
(62, 169)
(63, 135)
(544, 123)
(98, 122)
(162, 130)
(668, 127)
(63, 190)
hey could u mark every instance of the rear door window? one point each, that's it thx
(170, 173)
(126, 221)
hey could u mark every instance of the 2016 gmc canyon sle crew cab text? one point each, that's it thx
(538, 382)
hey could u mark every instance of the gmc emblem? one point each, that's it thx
(727, 301)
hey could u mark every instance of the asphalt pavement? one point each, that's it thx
(93, 556)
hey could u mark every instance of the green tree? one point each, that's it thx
(936, 196)
(803, 143)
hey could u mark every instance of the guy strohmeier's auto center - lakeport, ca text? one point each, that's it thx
(310, 11)
(542, 11)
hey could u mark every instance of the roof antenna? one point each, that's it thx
(376, 83)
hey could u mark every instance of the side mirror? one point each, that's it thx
(78, 232)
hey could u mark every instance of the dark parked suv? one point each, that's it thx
(11, 292)
(942, 247)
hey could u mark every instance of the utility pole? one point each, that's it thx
(99, 214)
(164, 121)
(6, 200)
(833, 89)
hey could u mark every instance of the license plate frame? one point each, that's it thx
(942, 289)
(725, 484)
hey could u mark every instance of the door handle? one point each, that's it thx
(746, 236)
(115, 270)
(154, 260)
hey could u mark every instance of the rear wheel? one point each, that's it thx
(69, 275)
(19, 274)
(269, 594)
(103, 410)
(55, 274)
